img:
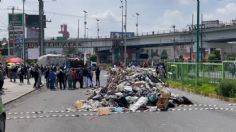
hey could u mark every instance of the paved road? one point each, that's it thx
(183, 119)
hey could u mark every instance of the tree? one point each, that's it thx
(214, 56)
(164, 55)
(93, 58)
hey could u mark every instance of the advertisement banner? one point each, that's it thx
(33, 53)
(54, 50)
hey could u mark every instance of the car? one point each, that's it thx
(2, 116)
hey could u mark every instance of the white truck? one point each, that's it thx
(50, 59)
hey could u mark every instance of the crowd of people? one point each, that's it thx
(56, 77)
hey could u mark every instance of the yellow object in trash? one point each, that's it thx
(79, 104)
(104, 111)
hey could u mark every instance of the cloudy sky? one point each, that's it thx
(155, 15)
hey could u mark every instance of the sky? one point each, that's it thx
(155, 15)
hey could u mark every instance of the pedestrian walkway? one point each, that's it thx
(13, 91)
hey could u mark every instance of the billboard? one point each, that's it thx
(33, 53)
(33, 21)
(32, 33)
(15, 20)
(119, 34)
(54, 50)
(16, 34)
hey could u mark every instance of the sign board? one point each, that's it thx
(16, 30)
(32, 33)
(33, 21)
(54, 50)
(33, 53)
(119, 34)
(15, 20)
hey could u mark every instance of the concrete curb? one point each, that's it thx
(8, 102)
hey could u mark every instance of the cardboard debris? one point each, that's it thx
(104, 111)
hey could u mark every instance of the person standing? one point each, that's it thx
(36, 77)
(21, 74)
(28, 75)
(14, 73)
(1, 79)
(85, 76)
(97, 72)
(52, 79)
(46, 76)
(74, 78)
(60, 78)
(69, 79)
(80, 77)
(90, 77)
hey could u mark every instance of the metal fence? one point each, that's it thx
(203, 72)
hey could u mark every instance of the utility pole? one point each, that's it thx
(137, 14)
(98, 27)
(85, 23)
(174, 43)
(198, 40)
(122, 17)
(198, 30)
(125, 26)
(23, 46)
(87, 30)
(202, 27)
(78, 29)
(41, 27)
(13, 31)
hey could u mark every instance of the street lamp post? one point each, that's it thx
(23, 47)
(41, 27)
(174, 43)
(198, 30)
(98, 27)
(137, 14)
(198, 40)
(122, 17)
(85, 23)
(125, 26)
(87, 32)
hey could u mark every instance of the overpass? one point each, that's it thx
(218, 37)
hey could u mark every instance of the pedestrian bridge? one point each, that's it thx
(209, 36)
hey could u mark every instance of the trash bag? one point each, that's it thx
(141, 101)
(122, 102)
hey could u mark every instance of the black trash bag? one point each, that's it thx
(154, 79)
(171, 104)
(186, 101)
(182, 100)
(122, 102)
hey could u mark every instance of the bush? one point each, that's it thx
(227, 88)
(93, 58)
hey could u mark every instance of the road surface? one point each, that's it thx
(207, 115)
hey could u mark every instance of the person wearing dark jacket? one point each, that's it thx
(60, 77)
(85, 76)
(97, 72)
(1, 79)
(36, 77)
(80, 77)
(46, 76)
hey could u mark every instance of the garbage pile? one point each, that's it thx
(131, 89)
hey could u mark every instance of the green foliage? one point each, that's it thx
(227, 88)
(231, 57)
(93, 58)
(164, 54)
(214, 56)
(202, 87)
